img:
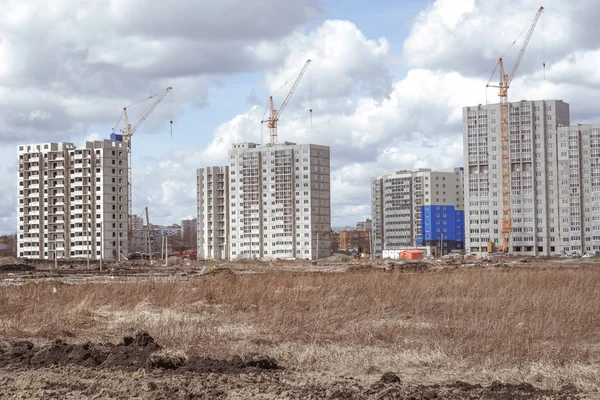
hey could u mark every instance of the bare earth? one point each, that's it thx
(509, 328)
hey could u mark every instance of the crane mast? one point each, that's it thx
(128, 131)
(275, 114)
(503, 86)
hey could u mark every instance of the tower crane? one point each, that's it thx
(127, 131)
(505, 80)
(275, 114)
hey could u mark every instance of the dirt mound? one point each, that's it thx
(133, 353)
(408, 266)
(388, 387)
(16, 268)
(389, 377)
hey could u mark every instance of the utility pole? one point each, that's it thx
(166, 250)
(148, 235)
(118, 242)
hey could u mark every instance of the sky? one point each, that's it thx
(387, 82)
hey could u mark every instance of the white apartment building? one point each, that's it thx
(578, 180)
(535, 184)
(213, 213)
(72, 203)
(280, 201)
(418, 208)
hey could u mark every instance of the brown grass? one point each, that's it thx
(540, 325)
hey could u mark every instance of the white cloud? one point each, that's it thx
(469, 36)
(369, 131)
(67, 65)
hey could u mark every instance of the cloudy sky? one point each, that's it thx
(387, 81)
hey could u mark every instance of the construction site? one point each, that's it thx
(474, 282)
(340, 327)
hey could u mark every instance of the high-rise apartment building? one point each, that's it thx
(280, 201)
(72, 203)
(418, 208)
(578, 179)
(213, 213)
(535, 183)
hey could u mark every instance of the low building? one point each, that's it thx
(355, 240)
(410, 255)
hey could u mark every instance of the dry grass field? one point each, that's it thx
(536, 325)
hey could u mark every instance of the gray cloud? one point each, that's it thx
(62, 57)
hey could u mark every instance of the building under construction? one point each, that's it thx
(279, 201)
(212, 185)
(72, 203)
(418, 208)
(537, 180)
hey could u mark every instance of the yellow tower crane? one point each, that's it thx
(127, 131)
(504, 84)
(275, 114)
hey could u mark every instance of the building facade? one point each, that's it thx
(335, 241)
(366, 225)
(189, 230)
(418, 208)
(72, 203)
(578, 179)
(138, 242)
(534, 175)
(213, 213)
(280, 201)
(359, 240)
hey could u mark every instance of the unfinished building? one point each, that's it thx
(535, 183)
(72, 203)
(420, 208)
(280, 201)
(578, 180)
(213, 213)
